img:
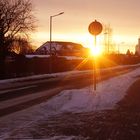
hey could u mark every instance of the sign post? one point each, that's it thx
(95, 28)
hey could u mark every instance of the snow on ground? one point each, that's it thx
(67, 138)
(46, 56)
(108, 93)
(40, 76)
(106, 96)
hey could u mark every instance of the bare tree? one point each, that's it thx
(16, 19)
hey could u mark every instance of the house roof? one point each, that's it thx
(63, 43)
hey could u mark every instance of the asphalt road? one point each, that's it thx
(22, 94)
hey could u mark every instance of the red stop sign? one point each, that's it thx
(95, 28)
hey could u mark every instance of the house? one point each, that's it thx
(62, 49)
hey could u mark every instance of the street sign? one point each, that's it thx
(95, 28)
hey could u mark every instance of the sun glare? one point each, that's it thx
(95, 51)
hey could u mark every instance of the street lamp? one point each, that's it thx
(51, 38)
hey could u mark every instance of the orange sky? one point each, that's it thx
(122, 15)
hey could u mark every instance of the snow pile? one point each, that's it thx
(106, 96)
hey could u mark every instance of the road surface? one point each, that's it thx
(21, 94)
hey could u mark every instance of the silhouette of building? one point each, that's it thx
(137, 49)
(62, 49)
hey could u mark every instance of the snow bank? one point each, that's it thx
(106, 96)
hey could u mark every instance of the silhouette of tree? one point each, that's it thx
(136, 53)
(128, 52)
(16, 19)
(21, 46)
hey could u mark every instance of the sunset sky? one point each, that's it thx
(123, 16)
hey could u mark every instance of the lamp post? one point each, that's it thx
(51, 17)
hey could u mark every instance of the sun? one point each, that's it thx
(95, 51)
